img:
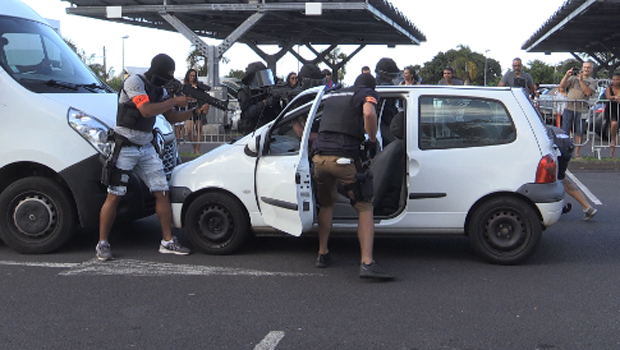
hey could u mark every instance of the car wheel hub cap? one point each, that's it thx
(34, 216)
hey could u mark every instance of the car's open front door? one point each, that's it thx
(283, 176)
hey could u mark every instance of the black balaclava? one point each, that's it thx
(365, 80)
(158, 74)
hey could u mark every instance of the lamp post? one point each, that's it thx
(123, 71)
(485, 66)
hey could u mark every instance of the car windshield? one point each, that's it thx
(37, 58)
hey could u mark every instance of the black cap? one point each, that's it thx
(365, 80)
(386, 65)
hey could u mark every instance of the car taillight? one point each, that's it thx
(547, 170)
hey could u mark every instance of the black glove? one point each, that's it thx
(370, 148)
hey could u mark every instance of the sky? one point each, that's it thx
(480, 24)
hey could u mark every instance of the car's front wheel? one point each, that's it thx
(217, 223)
(39, 216)
(505, 231)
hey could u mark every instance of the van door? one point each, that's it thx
(283, 178)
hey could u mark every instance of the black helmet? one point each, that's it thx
(310, 75)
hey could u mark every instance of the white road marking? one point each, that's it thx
(127, 267)
(270, 341)
(586, 191)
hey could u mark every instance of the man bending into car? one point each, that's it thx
(347, 114)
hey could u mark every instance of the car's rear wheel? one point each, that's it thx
(217, 223)
(505, 231)
(39, 216)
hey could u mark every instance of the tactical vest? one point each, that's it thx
(130, 117)
(340, 115)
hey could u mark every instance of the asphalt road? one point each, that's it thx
(270, 296)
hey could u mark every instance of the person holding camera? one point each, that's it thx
(580, 85)
(518, 78)
(141, 99)
(337, 159)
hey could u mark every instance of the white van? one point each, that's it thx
(55, 114)
(466, 160)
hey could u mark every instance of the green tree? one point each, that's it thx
(197, 60)
(336, 56)
(235, 73)
(541, 72)
(468, 66)
(89, 60)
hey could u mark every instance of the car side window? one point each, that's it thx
(459, 122)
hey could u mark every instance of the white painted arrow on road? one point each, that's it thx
(128, 267)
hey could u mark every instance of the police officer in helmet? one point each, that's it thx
(257, 106)
(347, 115)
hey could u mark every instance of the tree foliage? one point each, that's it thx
(198, 61)
(236, 73)
(468, 66)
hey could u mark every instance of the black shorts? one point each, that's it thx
(562, 166)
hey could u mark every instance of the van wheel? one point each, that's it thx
(505, 231)
(39, 216)
(217, 223)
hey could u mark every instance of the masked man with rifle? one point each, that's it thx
(141, 99)
(348, 114)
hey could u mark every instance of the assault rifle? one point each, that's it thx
(175, 87)
(278, 92)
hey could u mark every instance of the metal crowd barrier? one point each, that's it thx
(596, 122)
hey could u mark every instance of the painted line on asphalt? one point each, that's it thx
(586, 191)
(128, 267)
(270, 341)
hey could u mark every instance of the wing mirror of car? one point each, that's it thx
(252, 147)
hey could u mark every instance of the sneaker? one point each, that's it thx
(589, 214)
(173, 247)
(374, 271)
(324, 260)
(103, 251)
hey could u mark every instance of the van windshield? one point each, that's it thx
(40, 60)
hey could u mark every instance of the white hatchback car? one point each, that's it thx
(464, 160)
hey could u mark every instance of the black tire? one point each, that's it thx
(217, 223)
(505, 231)
(38, 215)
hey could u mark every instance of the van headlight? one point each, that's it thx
(91, 129)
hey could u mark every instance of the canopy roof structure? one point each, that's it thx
(285, 23)
(589, 27)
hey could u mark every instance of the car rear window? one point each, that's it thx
(458, 122)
